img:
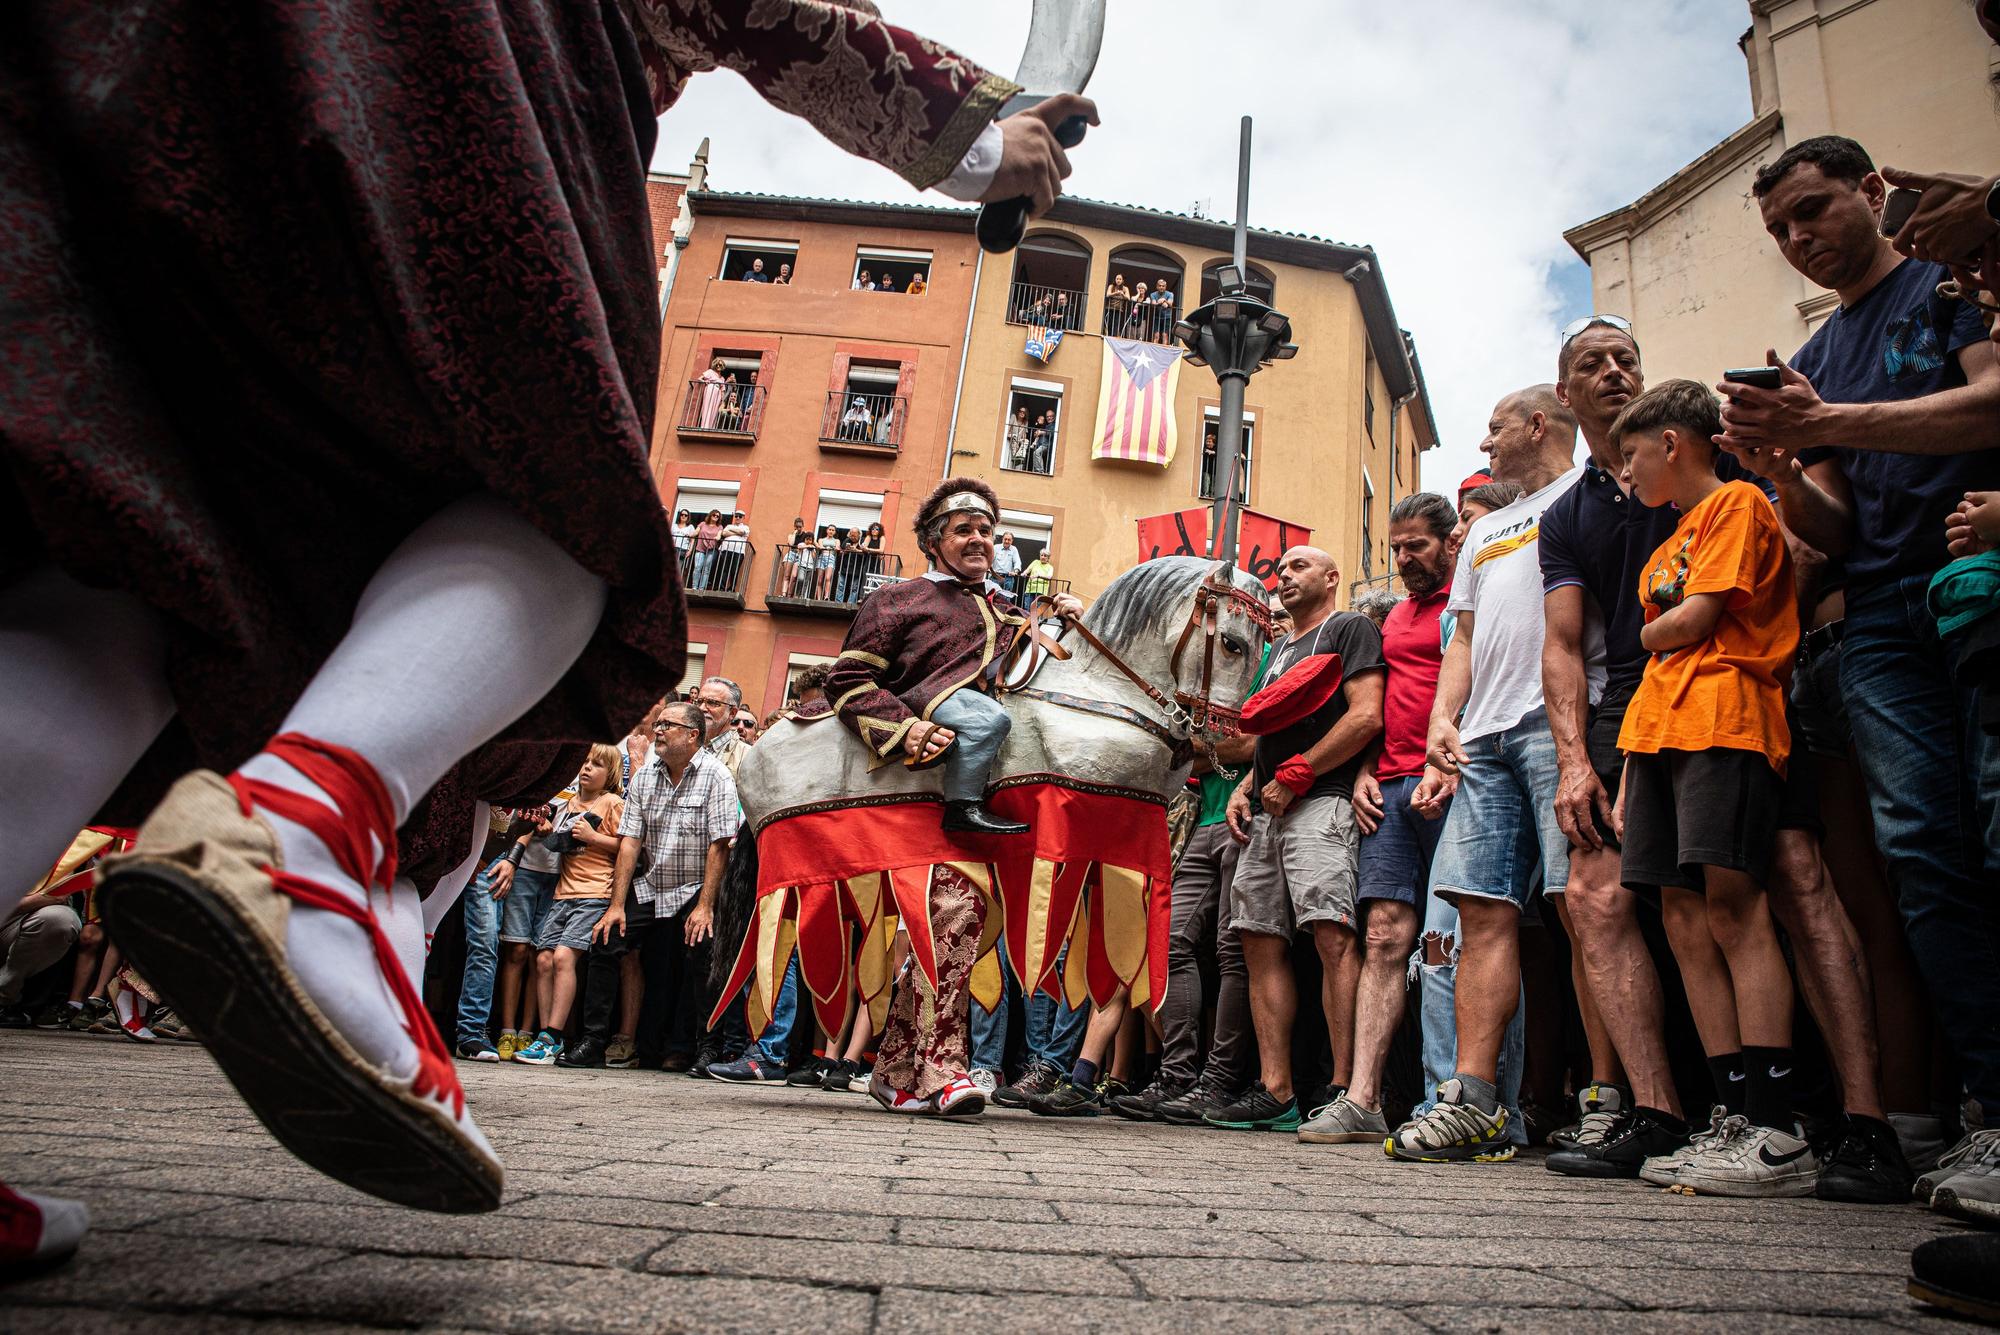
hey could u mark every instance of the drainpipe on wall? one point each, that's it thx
(964, 348)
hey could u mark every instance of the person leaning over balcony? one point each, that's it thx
(872, 544)
(755, 273)
(709, 400)
(865, 283)
(1036, 578)
(707, 538)
(1019, 434)
(796, 545)
(735, 547)
(917, 285)
(784, 278)
(1117, 303)
(1007, 565)
(828, 543)
(888, 283)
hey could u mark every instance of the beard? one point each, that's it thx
(1423, 582)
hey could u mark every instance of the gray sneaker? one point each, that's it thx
(1344, 1122)
(1453, 1131)
(1973, 1192)
(1599, 1106)
(1970, 1147)
(987, 1079)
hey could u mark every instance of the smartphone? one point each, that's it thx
(1897, 208)
(1759, 377)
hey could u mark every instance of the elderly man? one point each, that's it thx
(720, 699)
(1007, 565)
(911, 678)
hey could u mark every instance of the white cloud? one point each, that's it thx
(1457, 140)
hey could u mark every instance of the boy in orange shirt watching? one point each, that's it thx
(1705, 747)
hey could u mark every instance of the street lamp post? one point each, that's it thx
(1236, 335)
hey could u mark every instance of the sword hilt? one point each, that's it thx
(1004, 222)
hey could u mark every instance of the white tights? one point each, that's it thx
(468, 623)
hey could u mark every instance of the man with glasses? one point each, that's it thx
(720, 700)
(746, 727)
(681, 810)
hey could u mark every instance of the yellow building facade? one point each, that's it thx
(1688, 262)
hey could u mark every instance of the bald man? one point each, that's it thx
(1501, 841)
(1298, 866)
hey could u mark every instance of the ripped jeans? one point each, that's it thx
(1438, 1013)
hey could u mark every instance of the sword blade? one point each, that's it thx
(1064, 37)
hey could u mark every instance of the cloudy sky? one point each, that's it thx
(1458, 141)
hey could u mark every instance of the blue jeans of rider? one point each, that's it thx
(1055, 1028)
(981, 724)
(1934, 786)
(482, 957)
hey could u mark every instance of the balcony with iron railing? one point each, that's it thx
(719, 576)
(1147, 320)
(1022, 587)
(829, 582)
(1055, 307)
(863, 423)
(721, 411)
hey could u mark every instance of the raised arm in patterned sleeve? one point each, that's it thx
(878, 91)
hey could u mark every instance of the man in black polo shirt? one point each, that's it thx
(1594, 541)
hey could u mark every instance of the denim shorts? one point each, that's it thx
(570, 923)
(1819, 710)
(527, 904)
(1503, 820)
(1396, 859)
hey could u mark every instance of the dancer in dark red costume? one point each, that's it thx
(329, 341)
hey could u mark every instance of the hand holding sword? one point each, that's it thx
(1045, 118)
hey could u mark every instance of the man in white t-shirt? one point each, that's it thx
(1501, 759)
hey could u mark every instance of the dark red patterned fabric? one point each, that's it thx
(281, 280)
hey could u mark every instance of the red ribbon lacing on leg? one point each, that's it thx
(361, 820)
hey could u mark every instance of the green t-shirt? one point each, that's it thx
(1216, 786)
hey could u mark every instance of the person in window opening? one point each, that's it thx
(1059, 314)
(755, 273)
(857, 421)
(1209, 435)
(865, 283)
(887, 283)
(1039, 306)
(1117, 304)
(1044, 442)
(734, 399)
(907, 676)
(918, 285)
(885, 419)
(784, 278)
(1035, 580)
(874, 541)
(707, 538)
(1019, 434)
(1161, 317)
(713, 385)
(828, 543)
(797, 545)
(1007, 565)
(735, 546)
(846, 575)
(683, 527)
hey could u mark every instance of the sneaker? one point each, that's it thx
(1753, 1161)
(168, 1024)
(1633, 1139)
(1145, 1105)
(987, 1079)
(478, 1050)
(860, 1081)
(1452, 1131)
(1038, 1081)
(1663, 1170)
(621, 1052)
(586, 1053)
(1973, 1192)
(752, 1068)
(511, 1042)
(1922, 1138)
(1067, 1099)
(839, 1076)
(1344, 1122)
(705, 1056)
(1866, 1167)
(1193, 1107)
(1109, 1088)
(542, 1052)
(812, 1073)
(896, 1101)
(55, 1015)
(1599, 1107)
(1960, 1273)
(85, 1021)
(1969, 1147)
(13, 1017)
(961, 1098)
(1257, 1110)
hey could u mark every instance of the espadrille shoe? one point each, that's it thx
(202, 907)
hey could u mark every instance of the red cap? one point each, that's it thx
(1292, 697)
(1478, 479)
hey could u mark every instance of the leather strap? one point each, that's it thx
(1103, 709)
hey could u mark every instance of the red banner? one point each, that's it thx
(1260, 539)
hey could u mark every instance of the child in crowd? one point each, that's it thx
(1705, 745)
(586, 835)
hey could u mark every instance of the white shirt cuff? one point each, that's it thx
(974, 172)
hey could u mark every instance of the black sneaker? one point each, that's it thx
(56, 1015)
(705, 1056)
(1038, 1081)
(839, 1076)
(1065, 1100)
(1145, 1105)
(1257, 1110)
(1625, 1148)
(13, 1017)
(1866, 1165)
(811, 1075)
(1193, 1107)
(586, 1052)
(1600, 1107)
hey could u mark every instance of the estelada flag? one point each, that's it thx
(1043, 340)
(1135, 407)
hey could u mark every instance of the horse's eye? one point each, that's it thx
(1232, 645)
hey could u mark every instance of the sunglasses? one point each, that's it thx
(662, 727)
(1577, 326)
(746, 723)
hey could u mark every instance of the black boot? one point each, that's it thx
(978, 818)
(584, 1052)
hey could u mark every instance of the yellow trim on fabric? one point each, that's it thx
(864, 688)
(1507, 546)
(989, 988)
(1041, 889)
(955, 140)
(863, 656)
(1122, 892)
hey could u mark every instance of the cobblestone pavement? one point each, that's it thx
(639, 1201)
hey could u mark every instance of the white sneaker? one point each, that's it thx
(988, 1080)
(1663, 1170)
(1973, 1192)
(1753, 1161)
(1969, 1148)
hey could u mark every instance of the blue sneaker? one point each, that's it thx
(477, 1050)
(753, 1068)
(541, 1052)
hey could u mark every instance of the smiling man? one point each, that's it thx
(909, 680)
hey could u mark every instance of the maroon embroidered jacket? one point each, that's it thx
(912, 644)
(873, 88)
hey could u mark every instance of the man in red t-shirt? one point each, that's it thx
(1397, 839)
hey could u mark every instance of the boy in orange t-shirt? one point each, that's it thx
(1705, 747)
